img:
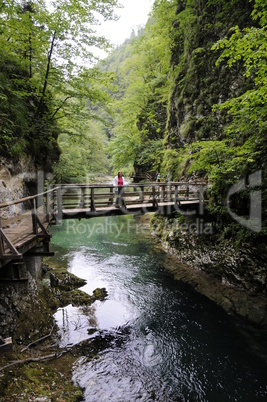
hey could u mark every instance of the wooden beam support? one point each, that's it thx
(14, 252)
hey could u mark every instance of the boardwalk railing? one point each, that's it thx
(32, 215)
(95, 199)
(27, 226)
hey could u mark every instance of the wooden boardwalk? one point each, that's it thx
(20, 237)
(164, 208)
(26, 233)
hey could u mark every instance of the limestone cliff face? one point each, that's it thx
(199, 82)
(199, 246)
(17, 180)
(17, 297)
(198, 86)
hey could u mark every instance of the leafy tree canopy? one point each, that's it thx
(191, 97)
(48, 72)
(144, 78)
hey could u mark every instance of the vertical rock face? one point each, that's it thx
(17, 180)
(243, 268)
(20, 281)
(199, 82)
(18, 296)
(13, 297)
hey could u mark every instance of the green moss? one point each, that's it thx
(186, 128)
(100, 294)
(36, 318)
(65, 281)
(52, 379)
(35, 380)
(75, 297)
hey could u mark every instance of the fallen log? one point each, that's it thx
(34, 359)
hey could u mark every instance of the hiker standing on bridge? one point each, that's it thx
(158, 178)
(119, 182)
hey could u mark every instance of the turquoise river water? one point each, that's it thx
(166, 342)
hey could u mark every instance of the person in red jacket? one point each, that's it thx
(120, 182)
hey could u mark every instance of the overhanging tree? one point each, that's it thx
(52, 49)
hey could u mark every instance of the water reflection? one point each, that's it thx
(178, 346)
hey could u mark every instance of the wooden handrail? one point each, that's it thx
(107, 185)
(74, 196)
(38, 228)
(63, 187)
(86, 200)
(29, 198)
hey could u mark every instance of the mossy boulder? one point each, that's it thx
(66, 281)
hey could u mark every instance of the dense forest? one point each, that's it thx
(185, 95)
(49, 85)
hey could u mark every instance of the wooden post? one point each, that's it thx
(154, 196)
(34, 219)
(53, 200)
(59, 203)
(142, 194)
(110, 201)
(163, 192)
(201, 200)
(49, 198)
(176, 198)
(168, 199)
(47, 206)
(82, 197)
(92, 199)
(187, 192)
(168, 193)
(40, 187)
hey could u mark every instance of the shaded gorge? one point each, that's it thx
(162, 341)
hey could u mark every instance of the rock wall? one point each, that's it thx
(21, 311)
(19, 282)
(18, 179)
(199, 83)
(244, 267)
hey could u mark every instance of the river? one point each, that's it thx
(167, 342)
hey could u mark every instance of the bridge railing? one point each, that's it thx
(30, 216)
(96, 197)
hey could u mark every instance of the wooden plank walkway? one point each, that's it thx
(22, 237)
(22, 234)
(26, 231)
(135, 209)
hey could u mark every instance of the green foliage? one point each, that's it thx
(47, 72)
(249, 110)
(174, 162)
(143, 75)
(246, 134)
(187, 94)
(83, 152)
(191, 98)
(215, 111)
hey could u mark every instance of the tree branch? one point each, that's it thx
(65, 100)
(34, 359)
(39, 340)
(47, 70)
(49, 62)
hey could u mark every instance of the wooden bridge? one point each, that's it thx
(26, 233)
